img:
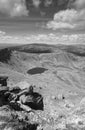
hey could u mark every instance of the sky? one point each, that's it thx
(42, 21)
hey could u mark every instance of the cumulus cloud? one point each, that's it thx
(63, 19)
(57, 25)
(13, 7)
(69, 18)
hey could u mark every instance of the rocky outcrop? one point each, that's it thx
(19, 101)
(25, 109)
(15, 98)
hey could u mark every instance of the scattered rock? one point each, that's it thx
(27, 110)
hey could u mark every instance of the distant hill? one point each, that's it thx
(20, 57)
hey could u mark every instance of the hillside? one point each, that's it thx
(46, 81)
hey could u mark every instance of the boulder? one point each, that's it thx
(34, 101)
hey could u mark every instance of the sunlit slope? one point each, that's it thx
(55, 72)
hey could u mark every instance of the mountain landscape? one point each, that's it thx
(42, 87)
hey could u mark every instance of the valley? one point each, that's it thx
(46, 85)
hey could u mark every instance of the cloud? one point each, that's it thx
(63, 19)
(57, 25)
(48, 2)
(2, 33)
(13, 7)
(36, 3)
(79, 4)
(69, 18)
(49, 38)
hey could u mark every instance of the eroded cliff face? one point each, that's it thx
(43, 91)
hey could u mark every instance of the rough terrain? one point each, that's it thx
(42, 87)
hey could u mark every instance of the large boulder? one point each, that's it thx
(33, 100)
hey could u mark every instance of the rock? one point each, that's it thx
(25, 108)
(22, 85)
(15, 90)
(32, 127)
(3, 98)
(3, 90)
(23, 92)
(17, 124)
(15, 106)
(22, 99)
(35, 101)
(3, 80)
(26, 91)
(32, 99)
(12, 97)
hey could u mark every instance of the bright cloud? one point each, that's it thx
(13, 7)
(70, 18)
(36, 3)
(79, 4)
(43, 38)
(2, 33)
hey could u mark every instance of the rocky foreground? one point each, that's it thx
(25, 109)
(42, 88)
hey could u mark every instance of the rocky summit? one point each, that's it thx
(42, 87)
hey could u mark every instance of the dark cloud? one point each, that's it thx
(41, 8)
(37, 8)
(46, 7)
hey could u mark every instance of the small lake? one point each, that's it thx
(36, 70)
